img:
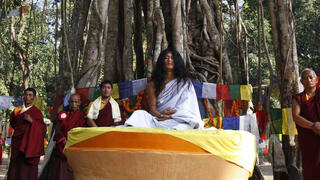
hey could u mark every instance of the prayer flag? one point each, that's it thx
(227, 108)
(288, 125)
(262, 117)
(198, 88)
(14, 12)
(249, 123)
(3, 15)
(39, 103)
(24, 9)
(276, 118)
(125, 89)
(230, 123)
(223, 92)
(17, 101)
(209, 90)
(94, 93)
(5, 102)
(202, 109)
(234, 91)
(138, 85)
(115, 92)
(84, 95)
(66, 99)
(246, 92)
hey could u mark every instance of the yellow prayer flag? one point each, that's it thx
(115, 92)
(246, 92)
(39, 103)
(288, 125)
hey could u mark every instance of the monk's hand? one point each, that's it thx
(169, 111)
(162, 117)
(28, 118)
(316, 128)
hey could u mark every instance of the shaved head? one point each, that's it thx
(306, 70)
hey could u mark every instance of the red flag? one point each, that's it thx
(223, 92)
(84, 95)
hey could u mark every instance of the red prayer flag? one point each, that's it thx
(84, 95)
(223, 92)
(262, 117)
(228, 108)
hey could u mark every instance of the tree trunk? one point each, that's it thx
(177, 28)
(317, 30)
(22, 53)
(96, 44)
(161, 40)
(242, 61)
(284, 42)
(78, 24)
(138, 49)
(111, 68)
(127, 61)
(148, 11)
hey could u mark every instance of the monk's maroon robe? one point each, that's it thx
(105, 117)
(27, 145)
(58, 167)
(309, 142)
(61, 168)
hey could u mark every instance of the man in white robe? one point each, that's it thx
(178, 96)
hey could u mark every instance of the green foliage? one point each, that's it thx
(37, 41)
(307, 28)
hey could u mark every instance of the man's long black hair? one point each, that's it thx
(180, 70)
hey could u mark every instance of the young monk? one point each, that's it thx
(104, 111)
(28, 139)
(306, 114)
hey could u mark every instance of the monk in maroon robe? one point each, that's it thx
(58, 167)
(104, 111)
(306, 114)
(28, 139)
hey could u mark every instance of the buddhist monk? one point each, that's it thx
(306, 114)
(104, 111)
(28, 139)
(58, 167)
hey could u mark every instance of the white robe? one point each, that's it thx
(183, 99)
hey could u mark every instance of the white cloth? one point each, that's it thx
(249, 123)
(24, 108)
(181, 97)
(93, 112)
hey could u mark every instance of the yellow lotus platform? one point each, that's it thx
(143, 154)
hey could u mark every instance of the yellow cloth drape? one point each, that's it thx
(115, 92)
(238, 147)
(246, 92)
(288, 125)
(39, 103)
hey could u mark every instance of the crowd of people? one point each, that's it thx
(171, 101)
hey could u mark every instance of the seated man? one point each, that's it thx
(58, 167)
(104, 111)
(28, 139)
(171, 97)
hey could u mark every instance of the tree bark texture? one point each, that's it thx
(78, 24)
(138, 43)
(284, 42)
(111, 66)
(96, 44)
